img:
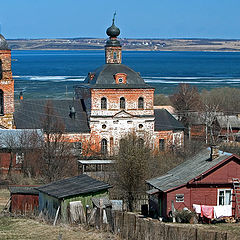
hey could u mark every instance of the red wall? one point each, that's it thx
(22, 203)
(223, 174)
(5, 161)
(204, 192)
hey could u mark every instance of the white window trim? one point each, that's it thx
(179, 195)
(224, 189)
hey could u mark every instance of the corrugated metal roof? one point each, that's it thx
(233, 121)
(95, 161)
(187, 171)
(165, 121)
(30, 114)
(73, 186)
(23, 190)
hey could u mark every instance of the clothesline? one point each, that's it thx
(213, 211)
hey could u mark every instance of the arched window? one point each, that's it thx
(122, 103)
(161, 145)
(140, 103)
(1, 103)
(140, 143)
(103, 103)
(104, 146)
(0, 69)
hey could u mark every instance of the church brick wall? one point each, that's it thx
(113, 101)
(7, 86)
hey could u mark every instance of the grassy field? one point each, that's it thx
(26, 228)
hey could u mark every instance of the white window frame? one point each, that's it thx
(224, 189)
(177, 197)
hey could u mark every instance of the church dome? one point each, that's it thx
(103, 77)
(113, 31)
(3, 43)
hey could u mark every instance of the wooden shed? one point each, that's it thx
(55, 197)
(204, 179)
(24, 199)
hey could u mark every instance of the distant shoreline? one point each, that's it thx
(163, 45)
(126, 50)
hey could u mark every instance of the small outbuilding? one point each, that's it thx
(56, 197)
(208, 178)
(24, 199)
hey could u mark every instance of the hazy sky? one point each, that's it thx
(135, 18)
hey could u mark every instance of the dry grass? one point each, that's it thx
(22, 228)
(25, 228)
(4, 196)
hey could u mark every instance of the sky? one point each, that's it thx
(135, 18)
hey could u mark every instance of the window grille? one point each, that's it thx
(122, 103)
(103, 103)
(104, 146)
(140, 103)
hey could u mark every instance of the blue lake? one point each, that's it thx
(53, 74)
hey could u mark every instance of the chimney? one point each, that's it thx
(72, 113)
(21, 96)
(214, 152)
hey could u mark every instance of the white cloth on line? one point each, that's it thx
(222, 211)
(197, 208)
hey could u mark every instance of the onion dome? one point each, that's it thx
(113, 31)
(3, 43)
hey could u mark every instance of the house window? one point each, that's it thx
(19, 158)
(1, 103)
(78, 147)
(103, 103)
(179, 197)
(122, 103)
(224, 196)
(114, 55)
(104, 146)
(140, 103)
(161, 145)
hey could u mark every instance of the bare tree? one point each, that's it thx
(20, 144)
(57, 159)
(185, 100)
(131, 167)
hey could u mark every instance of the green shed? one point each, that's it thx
(59, 194)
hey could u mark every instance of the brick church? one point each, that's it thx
(112, 101)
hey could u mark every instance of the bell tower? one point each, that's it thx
(6, 86)
(113, 48)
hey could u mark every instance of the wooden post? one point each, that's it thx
(101, 213)
(55, 220)
(173, 212)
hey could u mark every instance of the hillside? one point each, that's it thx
(128, 44)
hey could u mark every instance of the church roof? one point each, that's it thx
(164, 121)
(104, 77)
(30, 114)
(3, 43)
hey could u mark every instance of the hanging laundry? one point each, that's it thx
(207, 211)
(222, 211)
(197, 208)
